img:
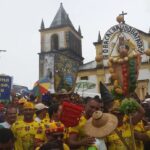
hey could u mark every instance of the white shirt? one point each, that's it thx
(37, 119)
(5, 124)
(100, 144)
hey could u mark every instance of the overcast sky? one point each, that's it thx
(20, 21)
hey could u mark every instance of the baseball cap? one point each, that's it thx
(28, 105)
(40, 106)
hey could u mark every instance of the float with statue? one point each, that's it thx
(123, 50)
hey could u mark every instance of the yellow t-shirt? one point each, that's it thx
(19, 117)
(25, 133)
(41, 135)
(139, 127)
(66, 147)
(79, 129)
(43, 121)
(148, 133)
(114, 142)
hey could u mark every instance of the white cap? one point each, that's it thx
(147, 99)
(40, 106)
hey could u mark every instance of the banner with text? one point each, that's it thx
(5, 87)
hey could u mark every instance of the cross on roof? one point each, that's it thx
(123, 13)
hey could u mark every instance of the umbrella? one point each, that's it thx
(90, 94)
(41, 86)
(84, 85)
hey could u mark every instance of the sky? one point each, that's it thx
(20, 23)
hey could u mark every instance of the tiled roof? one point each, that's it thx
(61, 18)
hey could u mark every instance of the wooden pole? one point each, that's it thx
(132, 133)
(122, 139)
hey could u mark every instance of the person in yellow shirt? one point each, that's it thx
(121, 139)
(114, 142)
(54, 113)
(54, 134)
(21, 102)
(77, 137)
(41, 113)
(147, 143)
(26, 129)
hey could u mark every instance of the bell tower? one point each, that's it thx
(61, 46)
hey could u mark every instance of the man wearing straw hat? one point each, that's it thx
(121, 138)
(77, 137)
(99, 126)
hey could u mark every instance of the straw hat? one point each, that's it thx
(100, 124)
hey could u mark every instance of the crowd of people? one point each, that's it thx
(31, 124)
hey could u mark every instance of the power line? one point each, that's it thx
(3, 51)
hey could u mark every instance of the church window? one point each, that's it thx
(49, 73)
(84, 78)
(54, 42)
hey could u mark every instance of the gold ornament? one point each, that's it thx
(130, 55)
(147, 52)
(118, 90)
(98, 58)
(114, 76)
(115, 60)
(116, 84)
(135, 55)
(111, 59)
(126, 59)
(109, 64)
(120, 61)
(120, 18)
(111, 70)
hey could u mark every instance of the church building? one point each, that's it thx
(61, 52)
(106, 48)
(61, 58)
